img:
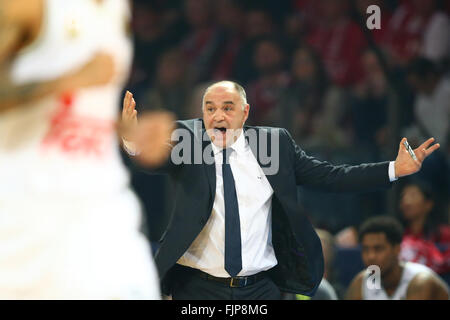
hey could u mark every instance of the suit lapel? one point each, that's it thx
(209, 168)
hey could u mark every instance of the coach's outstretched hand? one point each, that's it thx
(405, 164)
(150, 136)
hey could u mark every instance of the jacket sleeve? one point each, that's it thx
(324, 176)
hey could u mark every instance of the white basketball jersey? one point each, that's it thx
(67, 144)
(410, 270)
(69, 223)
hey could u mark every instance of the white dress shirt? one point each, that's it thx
(254, 195)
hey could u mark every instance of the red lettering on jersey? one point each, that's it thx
(77, 134)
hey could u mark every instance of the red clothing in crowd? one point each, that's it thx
(380, 35)
(433, 251)
(405, 32)
(340, 47)
(264, 95)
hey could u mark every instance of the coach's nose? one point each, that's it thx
(219, 116)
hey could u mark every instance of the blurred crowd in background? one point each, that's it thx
(346, 94)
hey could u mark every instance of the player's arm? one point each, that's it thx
(12, 95)
(19, 21)
(354, 290)
(427, 286)
(13, 29)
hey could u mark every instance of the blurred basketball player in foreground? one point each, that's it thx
(68, 220)
(380, 239)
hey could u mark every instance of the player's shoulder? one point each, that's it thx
(427, 284)
(423, 279)
(354, 291)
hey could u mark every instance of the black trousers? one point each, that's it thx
(188, 285)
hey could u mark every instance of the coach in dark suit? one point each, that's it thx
(236, 231)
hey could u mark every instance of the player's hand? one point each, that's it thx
(406, 165)
(99, 70)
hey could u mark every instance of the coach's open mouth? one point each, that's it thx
(220, 130)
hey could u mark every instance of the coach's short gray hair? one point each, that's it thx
(235, 85)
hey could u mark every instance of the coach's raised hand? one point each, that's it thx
(405, 164)
(129, 117)
(149, 138)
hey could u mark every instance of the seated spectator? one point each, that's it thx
(264, 91)
(326, 290)
(327, 241)
(170, 88)
(380, 238)
(418, 28)
(258, 24)
(432, 104)
(201, 44)
(369, 103)
(229, 15)
(301, 101)
(423, 232)
(347, 237)
(431, 117)
(150, 39)
(300, 21)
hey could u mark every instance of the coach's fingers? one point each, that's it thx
(426, 144)
(427, 151)
(126, 102)
(424, 150)
(132, 107)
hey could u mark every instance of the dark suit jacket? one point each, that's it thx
(297, 247)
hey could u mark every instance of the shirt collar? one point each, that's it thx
(239, 145)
